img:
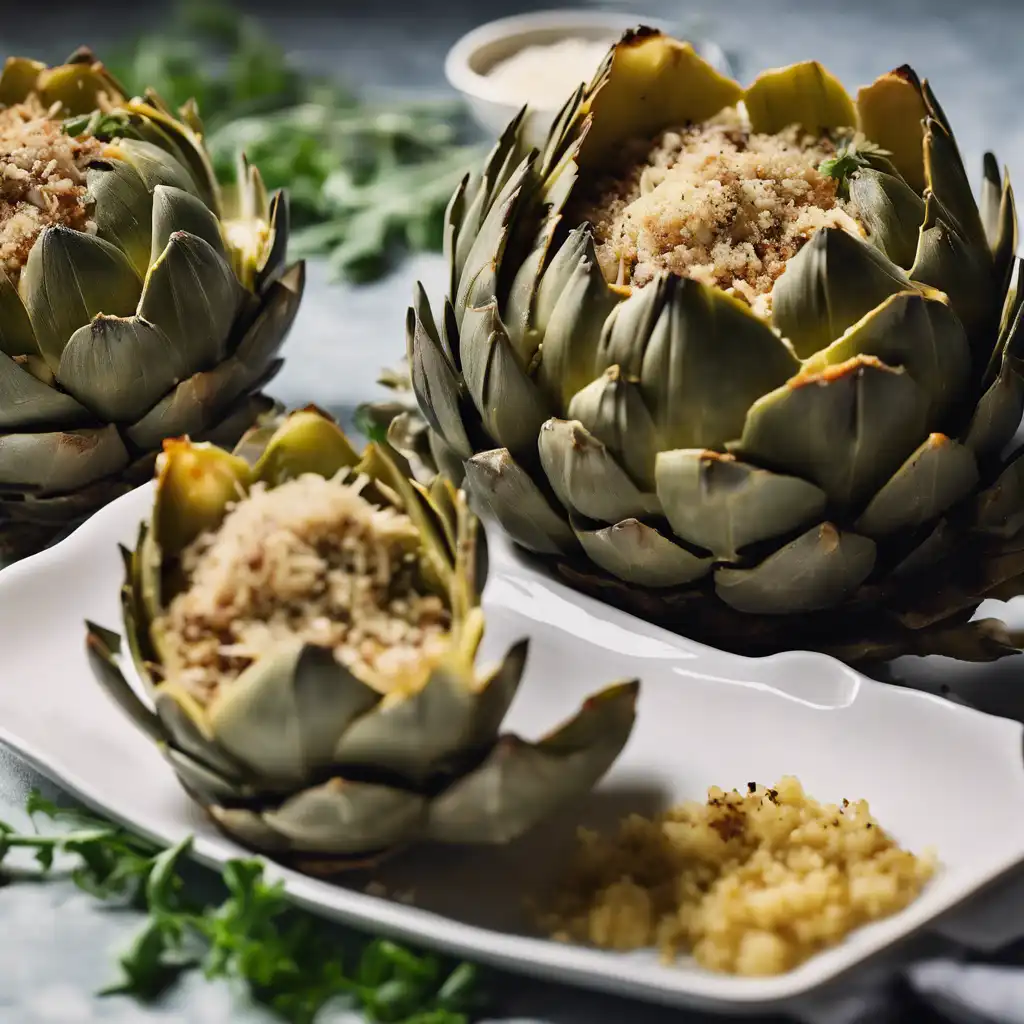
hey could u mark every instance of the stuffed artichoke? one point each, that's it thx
(306, 627)
(136, 301)
(743, 361)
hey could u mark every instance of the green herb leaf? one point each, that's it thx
(850, 157)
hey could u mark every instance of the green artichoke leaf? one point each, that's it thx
(1007, 239)
(578, 245)
(307, 442)
(175, 210)
(628, 328)
(337, 817)
(60, 461)
(694, 401)
(891, 113)
(204, 783)
(938, 475)
(502, 489)
(991, 198)
(122, 209)
(275, 260)
(79, 88)
(999, 509)
(454, 216)
(847, 429)
(495, 694)
(804, 94)
(27, 403)
(69, 278)
(1011, 325)
(155, 166)
(520, 783)
(722, 505)
(192, 295)
(612, 409)
(283, 716)
(264, 338)
(918, 331)
(586, 478)
(510, 404)
(936, 545)
(17, 338)
(120, 367)
(18, 79)
(946, 178)
(562, 140)
(519, 314)
(891, 211)
(830, 284)
(998, 413)
(639, 554)
(818, 570)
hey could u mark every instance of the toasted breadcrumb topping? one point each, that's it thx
(42, 179)
(717, 203)
(310, 559)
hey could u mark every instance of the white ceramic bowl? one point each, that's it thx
(470, 59)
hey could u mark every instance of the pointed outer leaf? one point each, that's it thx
(18, 79)
(501, 488)
(193, 296)
(521, 783)
(61, 461)
(935, 546)
(434, 379)
(78, 88)
(1011, 326)
(346, 817)
(445, 458)
(283, 716)
(947, 179)
(833, 281)
(708, 359)
(999, 509)
(917, 331)
(804, 94)
(585, 477)
(847, 429)
(573, 330)
(203, 783)
(891, 113)
(991, 198)
(891, 211)
(275, 258)
(722, 505)
(154, 165)
(946, 262)
(818, 570)
(249, 829)
(119, 368)
(27, 403)
(238, 418)
(122, 209)
(938, 475)
(1008, 235)
(263, 340)
(612, 409)
(69, 278)
(308, 441)
(999, 412)
(194, 485)
(519, 308)
(175, 210)
(654, 83)
(495, 695)
(16, 335)
(560, 134)
(628, 328)
(578, 244)
(453, 214)
(103, 661)
(510, 404)
(440, 495)
(639, 554)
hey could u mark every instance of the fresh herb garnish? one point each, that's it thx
(289, 960)
(367, 181)
(850, 157)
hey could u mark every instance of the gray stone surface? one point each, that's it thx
(57, 946)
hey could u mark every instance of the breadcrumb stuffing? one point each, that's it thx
(311, 559)
(42, 179)
(716, 203)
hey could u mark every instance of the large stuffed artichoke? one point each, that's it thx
(744, 361)
(306, 627)
(136, 302)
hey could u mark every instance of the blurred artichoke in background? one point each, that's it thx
(744, 362)
(305, 621)
(136, 301)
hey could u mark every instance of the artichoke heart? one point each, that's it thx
(740, 354)
(305, 621)
(137, 300)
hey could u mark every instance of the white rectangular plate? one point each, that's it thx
(936, 774)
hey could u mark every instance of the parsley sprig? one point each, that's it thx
(851, 156)
(289, 960)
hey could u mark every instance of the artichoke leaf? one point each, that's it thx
(519, 783)
(846, 429)
(818, 570)
(831, 283)
(204, 783)
(999, 509)
(27, 403)
(891, 113)
(18, 79)
(60, 461)
(938, 475)
(700, 331)
(176, 210)
(454, 214)
(991, 198)
(17, 338)
(519, 312)
(722, 505)
(122, 209)
(275, 255)
(307, 442)
(628, 328)
(639, 554)
(586, 478)
(495, 695)
(502, 489)
(804, 94)
(891, 211)
(185, 723)
(154, 165)
(69, 278)
(1004, 248)
(947, 180)
(264, 338)
(998, 413)
(79, 88)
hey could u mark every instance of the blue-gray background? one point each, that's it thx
(56, 946)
